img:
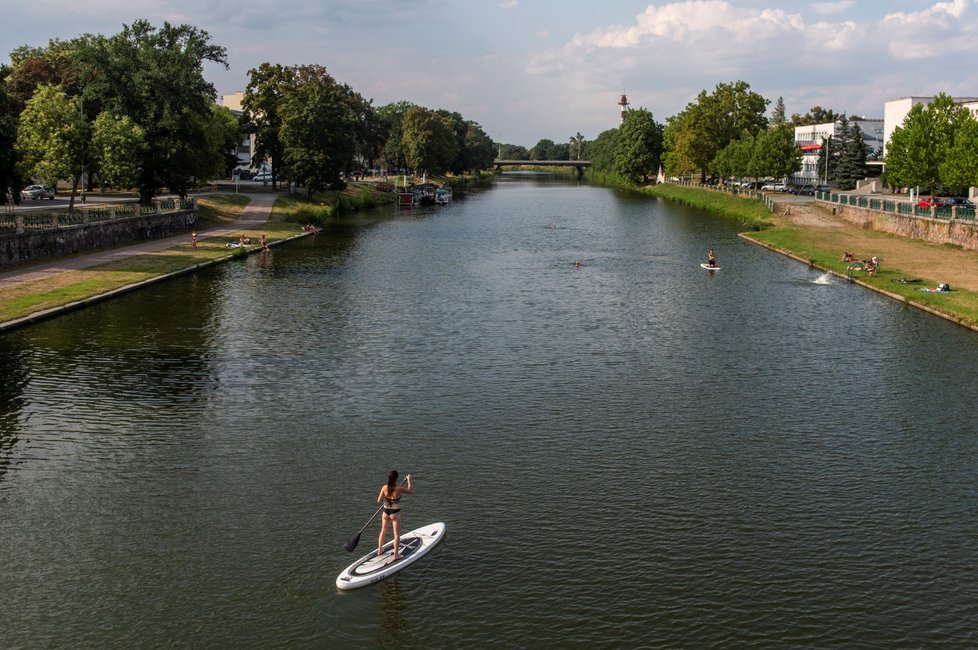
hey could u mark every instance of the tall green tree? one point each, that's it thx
(429, 140)
(919, 147)
(155, 76)
(478, 150)
(268, 86)
(543, 150)
(116, 146)
(735, 160)
(53, 137)
(851, 167)
(959, 169)
(639, 151)
(577, 143)
(392, 118)
(512, 152)
(815, 115)
(318, 130)
(778, 115)
(775, 153)
(706, 126)
(601, 151)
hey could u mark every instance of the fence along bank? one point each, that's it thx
(27, 237)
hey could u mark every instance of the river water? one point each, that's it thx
(633, 453)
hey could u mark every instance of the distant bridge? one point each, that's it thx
(579, 165)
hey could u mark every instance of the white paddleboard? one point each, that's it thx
(710, 268)
(373, 568)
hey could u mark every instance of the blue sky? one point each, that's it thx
(532, 69)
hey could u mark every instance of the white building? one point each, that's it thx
(895, 111)
(810, 139)
(246, 146)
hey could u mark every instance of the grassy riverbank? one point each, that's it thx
(750, 212)
(23, 299)
(811, 234)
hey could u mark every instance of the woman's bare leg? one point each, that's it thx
(396, 522)
(383, 533)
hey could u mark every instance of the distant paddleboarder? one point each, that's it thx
(390, 494)
(711, 258)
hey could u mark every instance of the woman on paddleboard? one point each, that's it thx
(390, 494)
(711, 258)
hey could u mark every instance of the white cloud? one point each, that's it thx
(829, 8)
(941, 29)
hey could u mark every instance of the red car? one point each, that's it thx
(930, 201)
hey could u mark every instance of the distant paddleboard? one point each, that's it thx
(710, 268)
(373, 568)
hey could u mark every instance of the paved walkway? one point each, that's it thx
(256, 212)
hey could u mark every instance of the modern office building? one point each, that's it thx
(810, 139)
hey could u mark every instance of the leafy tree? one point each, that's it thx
(268, 85)
(58, 64)
(704, 127)
(735, 159)
(639, 151)
(155, 76)
(477, 149)
(918, 149)
(369, 129)
(543, 150)
(429, 140)
(392, 118)
(52, 138)
(318, 131)
(816, 115)
(513, 152)
(960, 166)
(577, 143)
(116, 146)
(775, 153)
(601, 151)
(217, 155)
(778, 115)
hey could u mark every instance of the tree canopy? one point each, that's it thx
(639, 151)
(709, 124)
(922, 151)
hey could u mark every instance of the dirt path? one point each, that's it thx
(932, 263)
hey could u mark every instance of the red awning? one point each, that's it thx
(810, 147)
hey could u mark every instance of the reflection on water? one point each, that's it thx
(630, 453)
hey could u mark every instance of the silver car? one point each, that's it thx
(37, 192)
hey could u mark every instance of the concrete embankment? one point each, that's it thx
(36, 286)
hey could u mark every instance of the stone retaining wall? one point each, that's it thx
(33, 246)
(936, 231)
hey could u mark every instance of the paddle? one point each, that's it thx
(352, 544)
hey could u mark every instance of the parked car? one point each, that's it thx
(774, 187)
(242, 174)
(263, 176)
(37, 192)
(960, 202)
(802, 190)
(930, 201)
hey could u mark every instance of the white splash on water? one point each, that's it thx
(825, 278)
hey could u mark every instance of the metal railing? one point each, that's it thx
(903, 208)
(33, 221)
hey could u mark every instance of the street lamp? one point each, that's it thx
(826, 143)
